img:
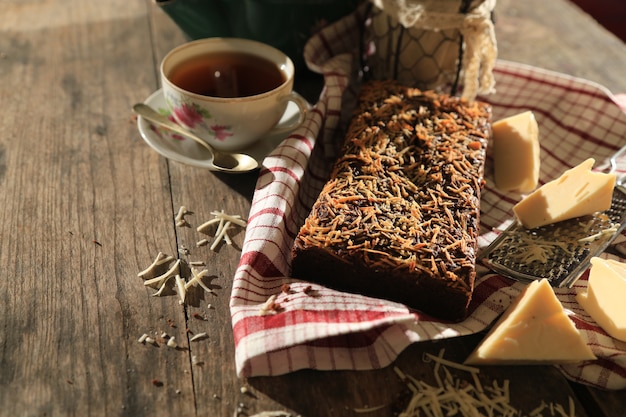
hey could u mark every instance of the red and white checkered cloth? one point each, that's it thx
(326, 329)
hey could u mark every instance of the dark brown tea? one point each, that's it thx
(227, 74)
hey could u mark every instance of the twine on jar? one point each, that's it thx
(475, 26)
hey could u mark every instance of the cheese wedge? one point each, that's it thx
(534, 330)
(577, 192)
(516, 152)
(605, 298)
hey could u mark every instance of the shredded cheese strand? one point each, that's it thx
(224, 224)
(182, 291)
(161, 278)
(160, 260)
(452, 396)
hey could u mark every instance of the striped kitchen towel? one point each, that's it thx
(282, 325)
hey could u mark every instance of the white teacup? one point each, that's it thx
(231, 92)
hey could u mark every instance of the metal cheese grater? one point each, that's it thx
(562, 251)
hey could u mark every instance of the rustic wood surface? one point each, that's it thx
(86, 205)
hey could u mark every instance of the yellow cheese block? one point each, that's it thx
(516, 151)
(577, 192)
(534, 330)
(605, 298)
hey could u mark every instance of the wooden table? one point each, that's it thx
(86, 205)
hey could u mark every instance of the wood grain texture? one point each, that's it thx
(555, 35)
(86, 205)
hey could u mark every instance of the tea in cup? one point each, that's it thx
(231, 92)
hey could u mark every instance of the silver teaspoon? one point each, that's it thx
(223, 161)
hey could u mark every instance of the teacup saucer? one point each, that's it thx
(186, 151)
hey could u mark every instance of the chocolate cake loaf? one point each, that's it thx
(398, 218)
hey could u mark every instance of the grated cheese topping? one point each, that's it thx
(610, 231)
(538, 249)
(155, 267)
(224, 224)
(455, 397)
(182, 290)
(196, 279)
(199, 336)
(171, 342)
(269, 306)
(161, 280)
(159, 273)
(180, 217)
(546, 245)
(403, 197)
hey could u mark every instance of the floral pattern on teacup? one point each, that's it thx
(160, 131)
(221, 132)
(191, 114)
(194, 116)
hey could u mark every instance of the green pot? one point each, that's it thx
(284, 24)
